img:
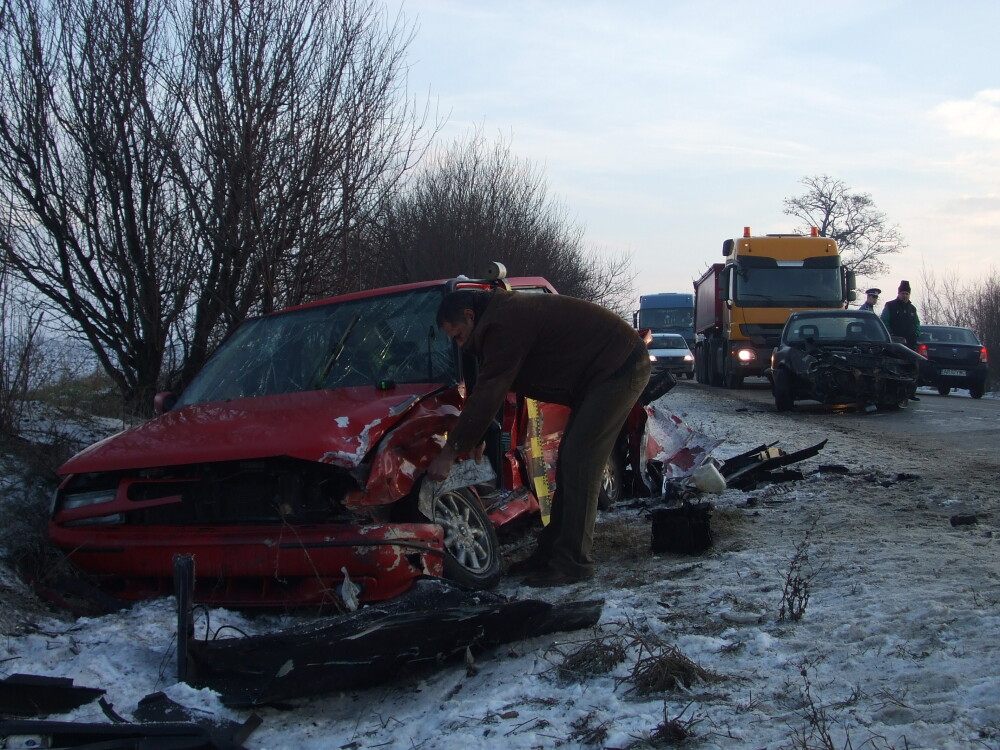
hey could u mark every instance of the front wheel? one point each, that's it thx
(782, 389)
(472, 551)
(611, 483)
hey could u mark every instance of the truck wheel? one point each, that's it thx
(734, 378)
(715, 367)
(472, 551)
(782, 389)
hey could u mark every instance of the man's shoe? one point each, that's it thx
(914, 398)
(549, 577)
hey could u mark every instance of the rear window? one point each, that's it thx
(948, 335)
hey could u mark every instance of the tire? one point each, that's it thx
(714, 365)
(472, 551)
(943, 390)
(701, 365)
(978, 390)
(731, 375)
(689, 375)
(782, 389)
(612, 489)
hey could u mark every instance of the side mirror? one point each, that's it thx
(164, 402)
(724, 278)
(852, 282)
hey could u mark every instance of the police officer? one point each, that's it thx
(871, 299)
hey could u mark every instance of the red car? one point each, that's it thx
(296, 458)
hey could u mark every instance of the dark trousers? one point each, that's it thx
(584, 450)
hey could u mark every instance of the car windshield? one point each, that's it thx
(666, 317)
(666, 341)
(835, 328)
(808, 285)
(352, 343)
(947, 335)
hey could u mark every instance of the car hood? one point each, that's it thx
(333, 426)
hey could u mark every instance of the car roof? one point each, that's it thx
(516, 282)
(837, 313)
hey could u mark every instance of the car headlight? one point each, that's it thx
(83, 499)
(652, 357)
(689, 358)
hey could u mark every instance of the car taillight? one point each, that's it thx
(922, 350)
(983, 356)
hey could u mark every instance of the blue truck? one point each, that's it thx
(667, 312)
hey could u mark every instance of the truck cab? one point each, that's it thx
(741, 305)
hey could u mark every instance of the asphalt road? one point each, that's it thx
(953, 424)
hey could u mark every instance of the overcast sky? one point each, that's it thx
(666, 126)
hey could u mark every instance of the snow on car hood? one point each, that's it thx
(330, 426)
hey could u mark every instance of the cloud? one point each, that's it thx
(978, 117)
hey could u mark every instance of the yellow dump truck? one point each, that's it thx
(741, 305)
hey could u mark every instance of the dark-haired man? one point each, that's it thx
(560, 350)
(900, 316)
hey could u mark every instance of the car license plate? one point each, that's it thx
(954, 373)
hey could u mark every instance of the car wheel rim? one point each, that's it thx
(464, 536)
(608, 483)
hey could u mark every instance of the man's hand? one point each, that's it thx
(478, 451)
(439, 468)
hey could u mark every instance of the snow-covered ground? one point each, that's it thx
(897, 646)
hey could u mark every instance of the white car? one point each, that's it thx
(669, 351)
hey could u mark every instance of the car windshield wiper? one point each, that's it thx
(335, 353)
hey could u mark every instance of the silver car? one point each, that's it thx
(670, 352)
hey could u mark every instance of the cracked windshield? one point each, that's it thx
(353, 343)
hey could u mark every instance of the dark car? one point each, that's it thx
(841, 356)
(293, 466)
(956, 358)
(669, 352)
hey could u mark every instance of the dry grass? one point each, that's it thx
(593, 657)
(664, 668)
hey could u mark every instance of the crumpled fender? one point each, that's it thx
(403, 454)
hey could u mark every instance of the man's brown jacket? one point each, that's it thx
(545, 346)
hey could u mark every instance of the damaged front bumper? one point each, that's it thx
(261, 565)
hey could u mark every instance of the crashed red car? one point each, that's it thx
(296, 459)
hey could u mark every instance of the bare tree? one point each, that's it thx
(297, 130)
(944, 301)
(90, 212)
(984, 307)
(860, 229)
(170, 167)
(475, 202)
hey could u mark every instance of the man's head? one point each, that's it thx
(903, 293)
(459, 311)
(872, 295)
